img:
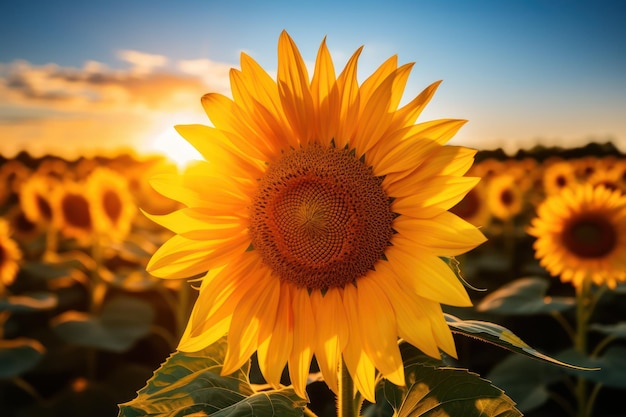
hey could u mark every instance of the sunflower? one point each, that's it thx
(112, 206)
(10, 255)
(321, 216)
(557, 176)
(12, 174)
(35, 199)
(505, 197)
(581, 233)
(72, 211)
(473, 207)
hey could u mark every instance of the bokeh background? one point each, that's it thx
(92, 90)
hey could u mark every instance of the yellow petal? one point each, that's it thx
(293, 88)
(358, 363)
(441, 192)
(443, 235)
(427, 275)
(274, 351)
(348, 88)
(413, 322)
(380, 335)
(304, 333)
(332, 336)
(258, 308)
(325, 96)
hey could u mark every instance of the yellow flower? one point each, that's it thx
(505, 198)
(112, 206)
(321, 214)
(582, 233)
(35, 199)
(10, 255)
(557, 176)
(72, 211)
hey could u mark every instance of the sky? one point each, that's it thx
(80, 77)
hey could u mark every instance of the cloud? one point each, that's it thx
(45, 108)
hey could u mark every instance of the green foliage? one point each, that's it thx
(26, 303)
(500, 336)
(610, 368)
(18, 356)
(122, 322)
(190, 383)
(453, 392)
(525, 379)
(524, 296)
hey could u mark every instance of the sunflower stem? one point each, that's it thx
(346, 406)
(584, 304)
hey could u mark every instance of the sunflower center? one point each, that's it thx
(112, 205)
(44, 207)
(3, 255)
(467, 207)
(507, 198)
(320, 218)
(76, 211)
(592, 236)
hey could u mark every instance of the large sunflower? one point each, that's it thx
(321, 214)
(581, 233)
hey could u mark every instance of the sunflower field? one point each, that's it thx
(83, 325)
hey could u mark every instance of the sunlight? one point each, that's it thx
(171, 145)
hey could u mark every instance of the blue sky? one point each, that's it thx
(98, 75)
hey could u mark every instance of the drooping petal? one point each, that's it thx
(359, 365)
(257, 309)
(380, 340)
(303, 341)
(332, 335)
(275, 350)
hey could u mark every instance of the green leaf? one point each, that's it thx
(122, 322)
(500, 336)
(612, 366)
(26, 303)
(525, 380)
(454, 392)
(617, 330)
(524, 296)
(413, 360)
(190, 382)
(18, 356)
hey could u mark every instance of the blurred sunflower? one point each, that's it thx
(557, 176)
(582, 233)
(505, 198)
(321, 215)
(473, 208)
(112, 205)
(10, 255)
(12, 174)
(24, 231)
(35, 199)
(72, 211)
(610, 178)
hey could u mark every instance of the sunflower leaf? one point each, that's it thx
(454, 392)
(524, 296)
(501, 336)
(18, 356)
(122, 322)
(525, 380)
(190, 382)
(611, 366)
(30, 302)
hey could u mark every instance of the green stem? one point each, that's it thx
(345, 400)
(584, 304)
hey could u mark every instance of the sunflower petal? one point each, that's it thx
(303, 337)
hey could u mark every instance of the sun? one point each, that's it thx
(171, 145)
